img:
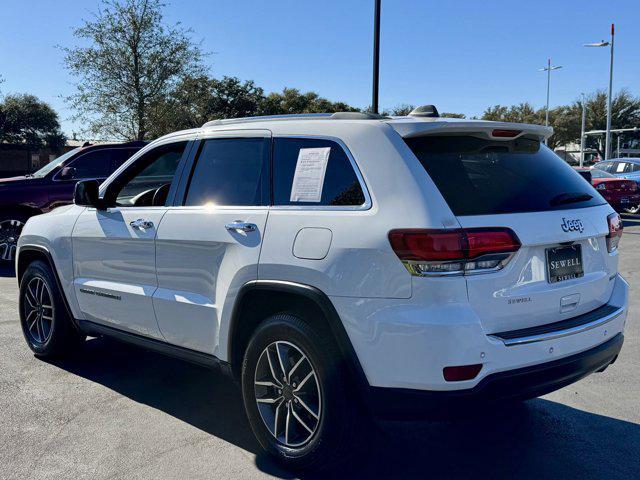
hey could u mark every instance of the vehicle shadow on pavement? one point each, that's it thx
(536, 439)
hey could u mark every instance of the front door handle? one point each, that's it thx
(240, 226)
(141, 224)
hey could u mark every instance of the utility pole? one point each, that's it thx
(376, 57)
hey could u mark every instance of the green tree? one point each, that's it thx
(128, 63)
(402, 110)
(292, 101)
(453, 115)
(198, 99)
(24, 119)
(521, 113)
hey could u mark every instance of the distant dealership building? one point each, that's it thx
(17, 159)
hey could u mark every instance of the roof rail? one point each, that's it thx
(298, 116)
(227, 121)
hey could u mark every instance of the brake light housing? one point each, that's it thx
(461, 251)
(615, 232)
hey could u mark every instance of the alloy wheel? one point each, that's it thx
(9, 232)
(38, 310)
(288, 393)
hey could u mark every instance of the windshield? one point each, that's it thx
(53, 164)
(479, 176)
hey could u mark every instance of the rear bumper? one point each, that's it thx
(527, 382)
(406, 345)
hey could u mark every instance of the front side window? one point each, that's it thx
(309, 171)
(230, 172)
(95, 164)
(147, 181)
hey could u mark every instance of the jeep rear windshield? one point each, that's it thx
(479, 176)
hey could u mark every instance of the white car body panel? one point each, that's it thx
(114, 268)
(199, 262)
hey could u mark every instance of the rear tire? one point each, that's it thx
(45, 322)
(11, 225)
(296, 396)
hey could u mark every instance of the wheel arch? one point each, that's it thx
(258, 299)
(28, 254)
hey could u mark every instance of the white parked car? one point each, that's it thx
(339, 264)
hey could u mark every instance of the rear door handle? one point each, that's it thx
(240, 226)
(141, 224)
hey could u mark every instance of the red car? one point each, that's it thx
(621, 194)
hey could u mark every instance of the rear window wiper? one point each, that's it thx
(568, 197)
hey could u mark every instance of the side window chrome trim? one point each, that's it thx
(365, 190)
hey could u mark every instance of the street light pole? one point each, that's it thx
(582, 134)
(376, 57)
(548, 69)
(608, 137)
(607, 148)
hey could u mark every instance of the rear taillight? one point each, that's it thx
(454, 252)
(615, 232)
(601, 186)
(633, 186)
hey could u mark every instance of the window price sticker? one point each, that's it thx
(308, 178)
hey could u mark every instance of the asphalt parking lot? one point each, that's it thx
(114, 411)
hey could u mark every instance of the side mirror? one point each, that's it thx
(68, 173)
(86, 194)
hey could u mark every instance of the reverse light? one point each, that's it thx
(615, 232)
(461, 373)
(454, 252)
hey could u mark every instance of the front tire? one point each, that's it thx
(295, 393)
(45, 322)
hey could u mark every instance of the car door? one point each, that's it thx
(114, 254)
(208, 244)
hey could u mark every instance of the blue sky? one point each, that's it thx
(460, 55)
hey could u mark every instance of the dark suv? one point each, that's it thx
(52, 186)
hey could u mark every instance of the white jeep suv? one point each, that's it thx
(337, 264)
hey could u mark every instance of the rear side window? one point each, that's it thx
(339, 186)
(230, 171)
(481, 177)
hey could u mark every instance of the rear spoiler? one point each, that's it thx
(489, 129)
